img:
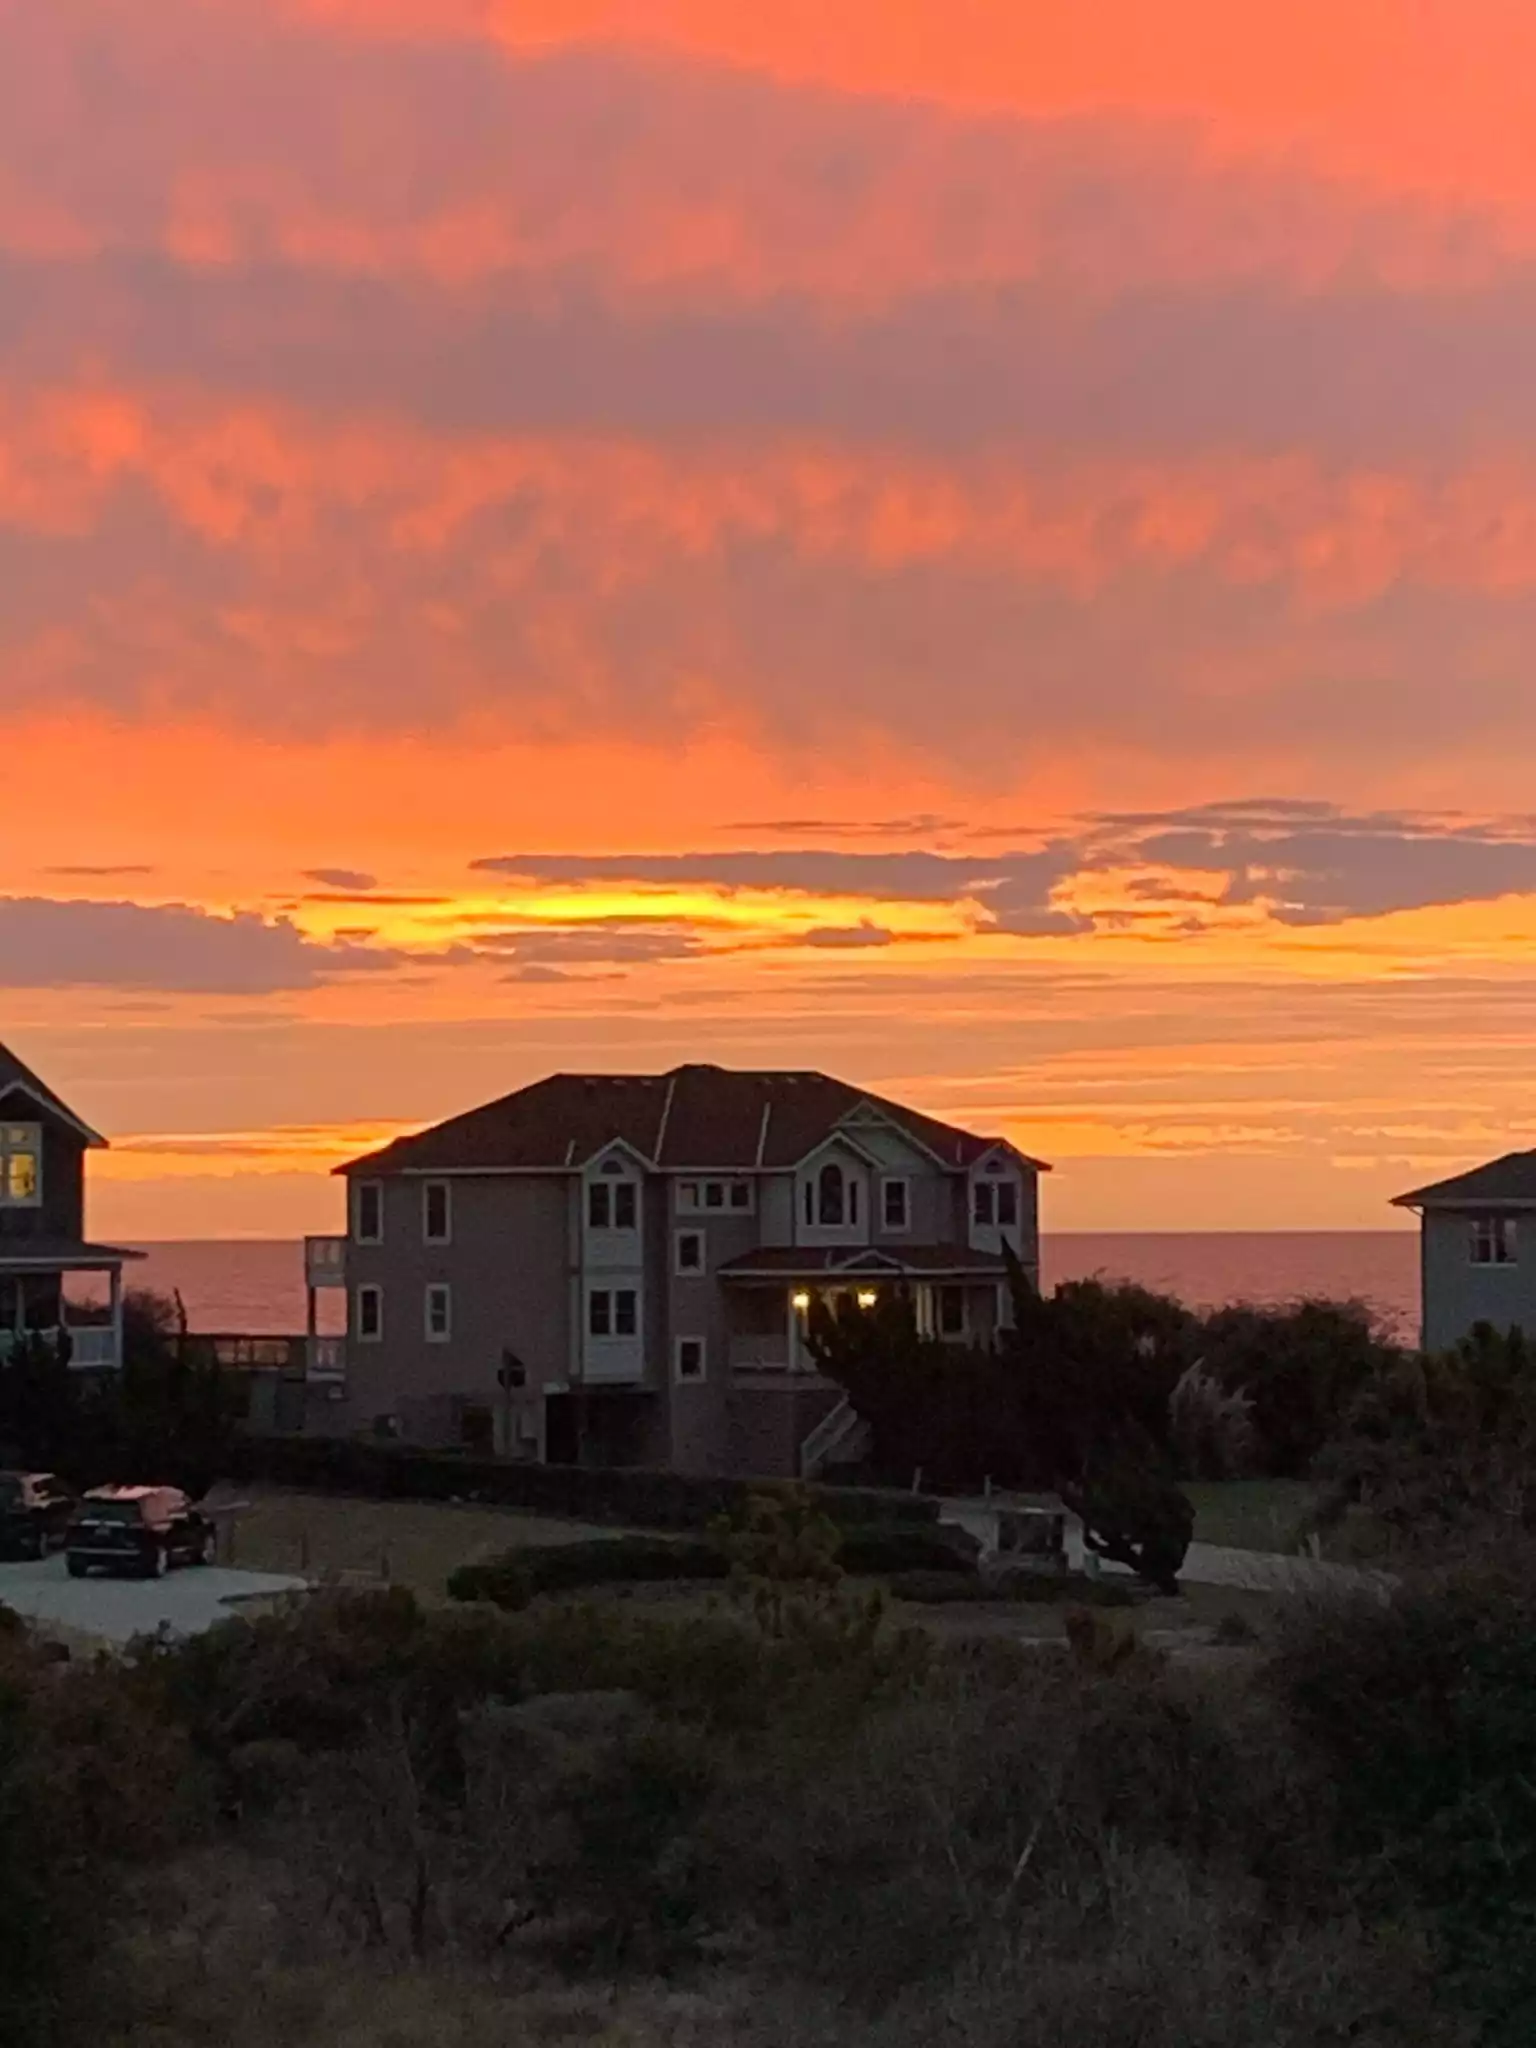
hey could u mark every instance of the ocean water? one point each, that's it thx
(257, 1285)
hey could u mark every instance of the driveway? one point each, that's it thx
(115, 1610)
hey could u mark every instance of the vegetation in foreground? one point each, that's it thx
(791, 1823)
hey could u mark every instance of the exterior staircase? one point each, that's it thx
(840, 1438)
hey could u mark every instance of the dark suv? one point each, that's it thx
(35, 1509)
(139, 1529)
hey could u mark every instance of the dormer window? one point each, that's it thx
(21, 1166)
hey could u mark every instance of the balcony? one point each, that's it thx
(93, 1347)
(325, 1262)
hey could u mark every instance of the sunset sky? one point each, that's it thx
(988, 546)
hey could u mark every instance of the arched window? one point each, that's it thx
(830, 1196)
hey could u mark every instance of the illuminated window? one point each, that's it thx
(21, 1169)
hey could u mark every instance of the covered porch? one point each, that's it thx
(41, 1288)
(770, 1294)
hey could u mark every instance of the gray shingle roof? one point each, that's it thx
(708, 1118)
(16, 1074)
(1510, 1179)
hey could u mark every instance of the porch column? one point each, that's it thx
(115, 1290)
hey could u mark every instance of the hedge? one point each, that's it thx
(649, 1499)
(518, 1576)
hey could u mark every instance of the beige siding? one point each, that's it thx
(508, 1268)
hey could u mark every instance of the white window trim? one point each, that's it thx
(1501, 1236)
(681, 1271)
(727, 1183)
(613, 1334)
(359, 1191)
(376, 1334)
(610, 1185)
(445, 1334)
(427, 1188)
(690, 1379)
(28, 1146)
(904, 1182)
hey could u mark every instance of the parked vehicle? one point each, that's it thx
(35, 1511)
(143, 1530)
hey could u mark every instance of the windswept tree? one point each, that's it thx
(1074, 1397)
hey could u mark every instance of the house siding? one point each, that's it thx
(1457, 1294)
(523, 1258)
(509, 1269)
(61, 1213)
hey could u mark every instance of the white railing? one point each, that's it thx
(325, 1262)
(840, 1437)
(95, 1348)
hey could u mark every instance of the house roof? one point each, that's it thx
(1510, 1180)
(708, 1119)
(809, 1262)
(60, 1254)
(16, 1075)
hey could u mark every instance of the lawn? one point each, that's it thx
(1250, 1514)
(407, 1543)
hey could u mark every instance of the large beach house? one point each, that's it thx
(43, 1144)
(619, 1268)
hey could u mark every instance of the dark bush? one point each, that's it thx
(654, 1500)
(1046, 1589)
(1420, 1708)
(519, 1576)
(871, 1553)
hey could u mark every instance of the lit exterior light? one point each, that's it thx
(801, 1301)
(868, 1297)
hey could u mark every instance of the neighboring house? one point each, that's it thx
(619, 1268)
(1477, 1249)
(42, 1223)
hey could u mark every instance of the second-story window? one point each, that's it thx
(690, 1252)
(831, 1196)
(21, 1166)
(995, 1203)
(612, 1205)
(1494, 1242)
(436, 1214)
(368, 1218)
(895, 1204)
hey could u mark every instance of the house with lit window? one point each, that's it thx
(1477, 1250)
(620, 1268)
(49, 1272)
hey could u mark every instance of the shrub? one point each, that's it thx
(655, 1500)
(1029, 1588)
(1211, 1427)
(518, 1576)
(1419, 1707)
